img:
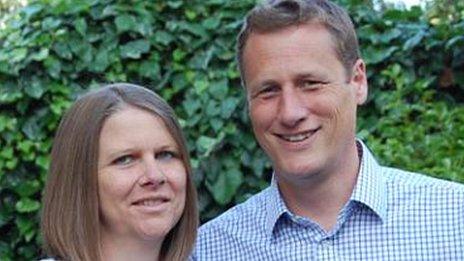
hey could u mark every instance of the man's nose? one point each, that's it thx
(292, 107)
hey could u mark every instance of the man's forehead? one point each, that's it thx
(288, 33)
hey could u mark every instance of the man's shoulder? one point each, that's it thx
(243, 214)
(420, 180)
(414, 183)
(226, 236)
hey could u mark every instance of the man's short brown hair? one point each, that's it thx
(273, 15)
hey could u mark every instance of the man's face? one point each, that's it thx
(302, 103)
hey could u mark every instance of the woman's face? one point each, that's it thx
(141, 177)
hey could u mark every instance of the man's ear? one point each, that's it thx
(359, 81)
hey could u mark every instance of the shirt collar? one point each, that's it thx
(370, 190)
(275, 206)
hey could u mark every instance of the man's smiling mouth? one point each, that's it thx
(297, 137)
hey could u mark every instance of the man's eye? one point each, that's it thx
(312, 84)
(123, 160)
(267, 91)
(166, 155)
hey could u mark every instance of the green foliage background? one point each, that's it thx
(52, 51)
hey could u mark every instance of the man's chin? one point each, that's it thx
(297, 172)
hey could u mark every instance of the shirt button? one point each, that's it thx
(325, 242)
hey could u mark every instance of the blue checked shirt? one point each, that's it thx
(391, 215)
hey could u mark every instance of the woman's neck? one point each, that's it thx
(115, 248)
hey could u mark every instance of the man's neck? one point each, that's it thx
(322, 197)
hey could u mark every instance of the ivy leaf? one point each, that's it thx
(18, 55)
(174, 4)
(191, 106)
(163, 37)
(200, 86)
(6, 153)
(413, 41)
(25, 205)
(195, 29)
(62, 50)
(50, 23)
(212, 22)
(125, 23)
(216, 124)
(10, 94)
(34, 89)
(53, 67)
(27, 188)
(150, 69)
(11, 164)
(212, 108)
(454, 41)
(206, 144)
(81, 26)
(373, 55)
(3, 122)
(40, 55)
(178, 55)
(31, 10)
(145, 25)
(388, 36)
(43, 161)
(7, 123)
(5, 215)
(101, 61)
(226, 185)
(135, 49)
(26, 227)
(228, 107)
(24, 146)
(81, 48)
(31, 128)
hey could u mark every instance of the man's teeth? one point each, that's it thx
(295, 138)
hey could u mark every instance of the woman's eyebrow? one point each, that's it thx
(118, 152)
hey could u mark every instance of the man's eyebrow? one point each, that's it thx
(267, 82)
(321, 76)
(258, 85)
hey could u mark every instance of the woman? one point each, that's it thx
(120, 185)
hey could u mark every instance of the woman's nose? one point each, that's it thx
(153, 174)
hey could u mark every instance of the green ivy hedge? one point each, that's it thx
(52, 51)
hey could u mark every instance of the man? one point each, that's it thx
(329, 198)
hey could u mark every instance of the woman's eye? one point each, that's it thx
(124, 160)
(166, 155)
